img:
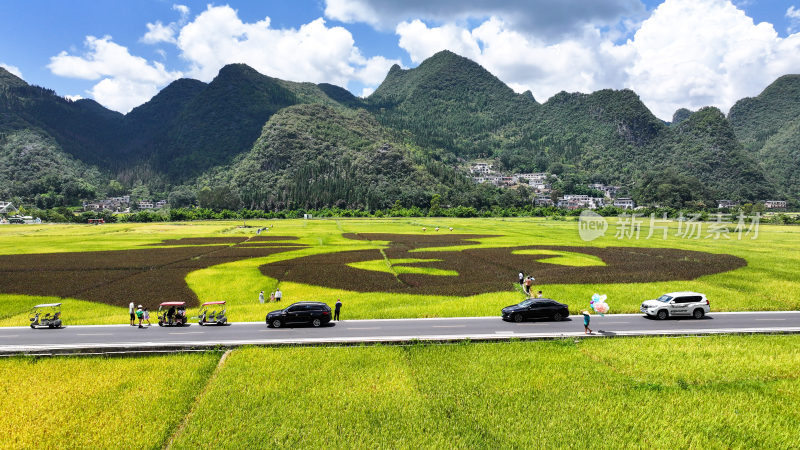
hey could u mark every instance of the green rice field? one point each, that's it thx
(692, 392)
(92, 271)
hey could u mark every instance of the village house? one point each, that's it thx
(624, 203)
(608, 191)
(775, 204)
(580, 201)
(727, 204)
(481, 169)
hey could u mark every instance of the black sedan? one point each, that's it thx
(314, 313)
(536, 308)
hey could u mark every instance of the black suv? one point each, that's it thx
(315, 313)
(536, 308)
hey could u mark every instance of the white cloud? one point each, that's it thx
(13, 69)
(158, 32)
(125, 80)
(366, 92)
(74, 98)
(313, 52)
(546, 19)
(689, 53)
(793, 14)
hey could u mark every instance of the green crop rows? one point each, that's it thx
(768, 280)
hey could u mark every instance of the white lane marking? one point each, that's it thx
(367, 339)
(363, 328)
(448, 326)
(189, 332)
(9, 336)
(771, 320)
(603, 322)
(94, 334)
(269, 330)
(503, 332)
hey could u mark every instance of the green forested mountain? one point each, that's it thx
(33, 166)
(769, 127)
(246, 139)
(449, 102)
(310, 156)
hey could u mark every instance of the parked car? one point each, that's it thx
(315, 313)
(687, 304)
(536, 308)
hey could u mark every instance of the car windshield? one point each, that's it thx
(664, 298)
(527, 303)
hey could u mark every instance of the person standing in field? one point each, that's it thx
(132, 312)
(271, 297)
(586, 319)
(278, 294)
(539, 294)
(521, 278)
(261, 297)
(528, 283)
(336, 309)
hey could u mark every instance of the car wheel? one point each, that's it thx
(276, 323)
(557, 317)
(518, 317)
(698, 313)
(662, 314)
(316, 322)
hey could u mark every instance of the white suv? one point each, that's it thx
(691, 304)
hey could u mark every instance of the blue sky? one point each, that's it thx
(673, 53)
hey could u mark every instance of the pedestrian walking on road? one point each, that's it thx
(132, 312)
(261, 297)
(586, 319)
(140, 316)
(336, 309)
(278, 295)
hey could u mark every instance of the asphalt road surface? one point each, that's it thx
(125, 338)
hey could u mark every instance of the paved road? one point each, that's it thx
(124, 338)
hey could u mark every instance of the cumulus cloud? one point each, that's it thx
(547, 19)
(125, 80)
(158, 32)
(313, 52)
(793, 14)
(688, 53)
(74, 98)
(13, 69)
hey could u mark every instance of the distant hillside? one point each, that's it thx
(33, 166)
(312, 156)
(258, 141)
(448, 101)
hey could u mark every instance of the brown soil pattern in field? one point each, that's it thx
(483, 270)
(145, 276)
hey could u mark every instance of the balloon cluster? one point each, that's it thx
(598, 304)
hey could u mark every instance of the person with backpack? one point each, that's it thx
(140, 316)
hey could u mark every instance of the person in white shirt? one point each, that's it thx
(278, 295)
(132, 312)
(261, 297)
